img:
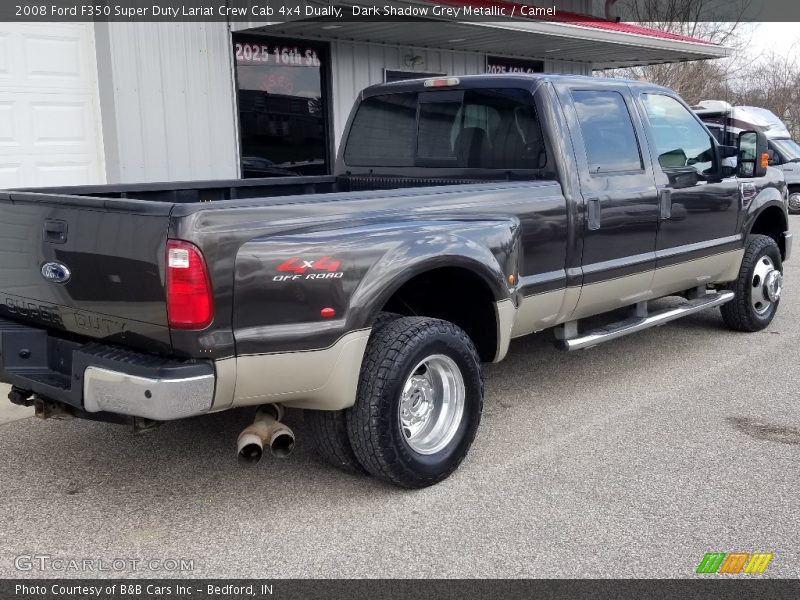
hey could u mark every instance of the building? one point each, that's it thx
(155, 101)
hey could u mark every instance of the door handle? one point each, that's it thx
(593, 216)
(55, 231)
(664, 204)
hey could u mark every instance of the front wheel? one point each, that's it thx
(758, 287)
(419, 402)
(794, 202)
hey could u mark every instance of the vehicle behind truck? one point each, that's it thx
(463, 212)
(726, 122)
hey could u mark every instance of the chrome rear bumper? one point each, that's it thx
(152, 398)
(97, 378)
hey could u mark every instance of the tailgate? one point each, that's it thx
(89, 266)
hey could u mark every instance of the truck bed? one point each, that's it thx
(112, 237)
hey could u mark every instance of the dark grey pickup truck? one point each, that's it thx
(464, 212)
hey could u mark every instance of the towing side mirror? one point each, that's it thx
(753, 157)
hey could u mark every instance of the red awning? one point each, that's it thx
(598, 23)
(581, 20)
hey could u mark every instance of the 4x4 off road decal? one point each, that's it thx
(326, 267)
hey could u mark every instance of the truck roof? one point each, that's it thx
(523, 80)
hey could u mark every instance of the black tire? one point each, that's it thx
(328, 428)
(374, 423)
(740, 314)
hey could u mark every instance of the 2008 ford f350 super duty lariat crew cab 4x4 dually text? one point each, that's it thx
(463, 212)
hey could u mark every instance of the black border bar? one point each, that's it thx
(702, 587)
(314, 10)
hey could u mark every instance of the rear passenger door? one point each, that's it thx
(620, 203)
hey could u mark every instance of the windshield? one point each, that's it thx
(788, 148)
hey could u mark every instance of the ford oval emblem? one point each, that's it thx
(56, 272)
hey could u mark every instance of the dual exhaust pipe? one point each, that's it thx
(266, 430)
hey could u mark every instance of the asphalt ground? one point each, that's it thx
(632, 459)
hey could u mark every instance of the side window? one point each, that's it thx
(608, 134)
(679, 139)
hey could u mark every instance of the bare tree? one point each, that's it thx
(772, 81)
(694, 80)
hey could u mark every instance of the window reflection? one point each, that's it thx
(281, 107)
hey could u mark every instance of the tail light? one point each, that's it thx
(189, 301)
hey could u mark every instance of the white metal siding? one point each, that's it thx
(168, 102)
(50, 130)
(567, 67)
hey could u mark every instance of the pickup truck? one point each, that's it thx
(463, 212)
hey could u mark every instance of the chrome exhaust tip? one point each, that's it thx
(266, 430)
(249, 450)
(282, 443)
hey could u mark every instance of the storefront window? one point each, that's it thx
(281, 107)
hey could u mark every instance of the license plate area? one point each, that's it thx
(25, 350)
(33, 360)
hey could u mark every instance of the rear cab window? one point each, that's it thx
(467, 129)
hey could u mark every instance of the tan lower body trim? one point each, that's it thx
(225, 383)
(559, 306)
(719, 268)
(604, 296)
(601, 297)
(319, 379)
(544, 310)
(506, 313)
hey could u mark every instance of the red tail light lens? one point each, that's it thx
(189, 301)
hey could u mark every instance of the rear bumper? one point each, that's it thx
(158, 398)
(98, 378)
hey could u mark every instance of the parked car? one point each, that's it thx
(463, 212)
(726, 122)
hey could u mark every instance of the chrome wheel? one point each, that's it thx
(432, 404)
(767, 284)
(794, 202)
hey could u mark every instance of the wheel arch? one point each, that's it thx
(771, 221)
(463, 292)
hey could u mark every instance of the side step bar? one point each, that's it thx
(640, 321)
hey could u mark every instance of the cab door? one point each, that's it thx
(620, 202)
(699, 200)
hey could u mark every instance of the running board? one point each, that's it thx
(639, 322)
